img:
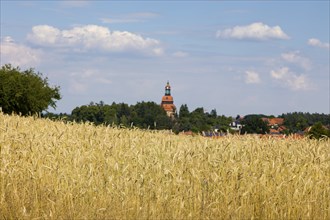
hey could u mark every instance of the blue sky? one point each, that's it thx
(238, 57)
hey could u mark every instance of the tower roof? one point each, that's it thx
(167, 98)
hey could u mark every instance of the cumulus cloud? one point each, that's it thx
(290, 79)
(317, 43)
(255, 31)
(296, 58)
(252, 77)
(93, 37)
(18, 54)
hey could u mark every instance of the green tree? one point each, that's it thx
(213, 113)
(222, 123)
(25, 92)
(98, 113)
(184, 124)
(297, 121)
(85, 113)
(184, 111)
(150, 115)
(253, 124)
(198, 120)
(318, 131)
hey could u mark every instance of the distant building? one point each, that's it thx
(275, 125)
(167, 101)
(236, 125)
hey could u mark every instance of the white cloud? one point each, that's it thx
(317, 43)
(291, 80)
(280, 74)
(93, 37)
(18, 54)
(294, 57)
(256, 31)
(252, 77)
(45, 35)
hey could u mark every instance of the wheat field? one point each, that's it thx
(57, 170)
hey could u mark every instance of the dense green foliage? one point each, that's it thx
(25, 92)
(199, 120)
(318, 131)
(253, 124)
(147, 115)
(142, 115)
(150, 115)
(299, 121)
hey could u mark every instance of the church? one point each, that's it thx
(167, 101)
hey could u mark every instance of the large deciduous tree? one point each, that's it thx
(25, 92)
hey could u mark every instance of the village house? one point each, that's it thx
(275, 125)
(236, 124)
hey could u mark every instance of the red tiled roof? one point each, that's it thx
(167, 98)
(273, 121)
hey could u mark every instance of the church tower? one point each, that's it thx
(167, 101)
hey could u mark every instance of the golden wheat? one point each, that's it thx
(57, 170)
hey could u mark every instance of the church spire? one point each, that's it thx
(167, 101)
(167, 89)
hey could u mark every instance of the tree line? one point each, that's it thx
(146, 115)
(299, 121)
(26, 92)
(150, 115)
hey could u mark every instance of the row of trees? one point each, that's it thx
(27, 92)
(143, 115)
(295, 122)
(147, 115)
(150, 115)
(298, 121)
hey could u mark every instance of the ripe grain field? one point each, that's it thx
(57, 170)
